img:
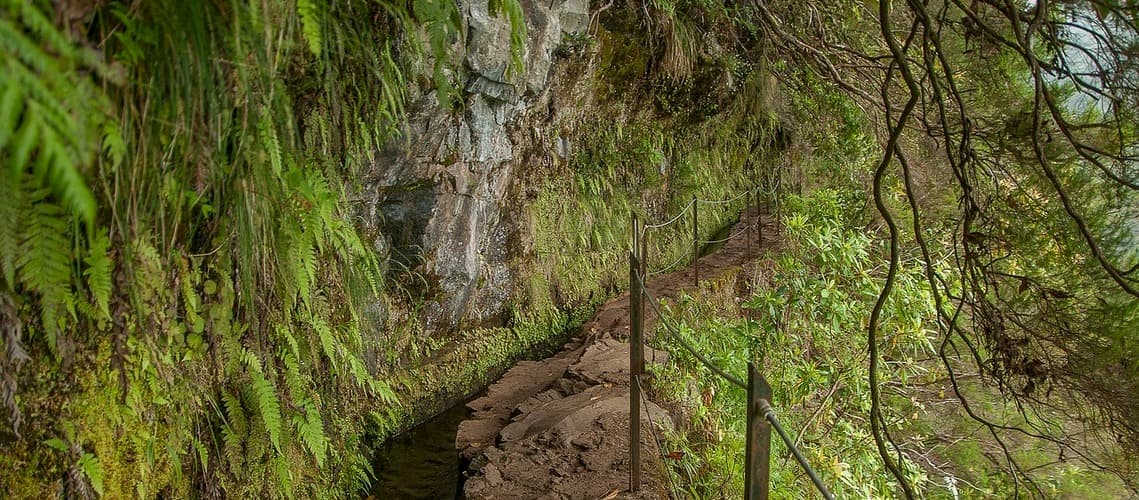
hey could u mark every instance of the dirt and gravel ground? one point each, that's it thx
(559, 428)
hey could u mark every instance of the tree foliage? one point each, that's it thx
(1030, 108)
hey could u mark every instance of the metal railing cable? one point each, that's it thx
(767, 411)
(679, 337)
(672, 488)
(769, 415)
(672, 220)
(688, 207)
(683, 255)
(730, 237)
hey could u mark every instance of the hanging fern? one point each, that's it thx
(234, 429)
(310, 431)
(312, 23)
(517, 19)
(98, 273)
(49, 113)
(441, 20)
(44, 263)
(11, 214)
(184, 174)
(265, 399)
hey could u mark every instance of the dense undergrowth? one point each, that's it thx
(182, 284)
(800, 319)
(800, 314)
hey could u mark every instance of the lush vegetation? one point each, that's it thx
(187, 305)
(179, 269)
(987, 152)
(794, 319)
(187, 308)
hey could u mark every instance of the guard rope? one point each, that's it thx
(672, 220)
(683, 255)
(769, 415)
(679, 337)
(729, 238)
(673, 490)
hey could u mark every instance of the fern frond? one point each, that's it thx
(11, 106)
(514, 14)
(303, 263)
(234, 413)
(328, 341)
(234, 451)
(233, 430)
(265, 398)
(293, 380)
(11, 213)
(270, 142)
(312, 24)
(59, 170)
(284, 332)
(284, 474)
(203, 453)
(93, 469)
(45, 262)
(441, 20)
(98, 273)
(310, 430)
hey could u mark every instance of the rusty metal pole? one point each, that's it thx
(695, 242)
(757, 461)
(636, 358)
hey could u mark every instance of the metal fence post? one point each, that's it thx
(636, 357)
(695, 242)
(757, 461)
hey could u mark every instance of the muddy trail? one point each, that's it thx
(558, 428)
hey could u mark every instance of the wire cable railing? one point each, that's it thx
(670, 267)
(769, 415)
(755, 193)
(674, 219)
(673, 489)
(761, 415)
(724, 202)
(765, 409)
(679, 338)
(731, 236)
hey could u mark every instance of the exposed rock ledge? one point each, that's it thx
(558, 428)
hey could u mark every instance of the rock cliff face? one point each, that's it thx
(438, 194)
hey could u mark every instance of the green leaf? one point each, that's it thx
(311, 24)
(98, 272)
(11, 105)
(310, 430)
(57, 443)
(91, 468)
(268, 406)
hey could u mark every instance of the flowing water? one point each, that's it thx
(422, 463)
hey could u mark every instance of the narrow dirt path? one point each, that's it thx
(559, 428)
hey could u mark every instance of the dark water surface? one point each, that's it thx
(422, 463)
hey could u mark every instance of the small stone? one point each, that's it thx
(492, 474)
